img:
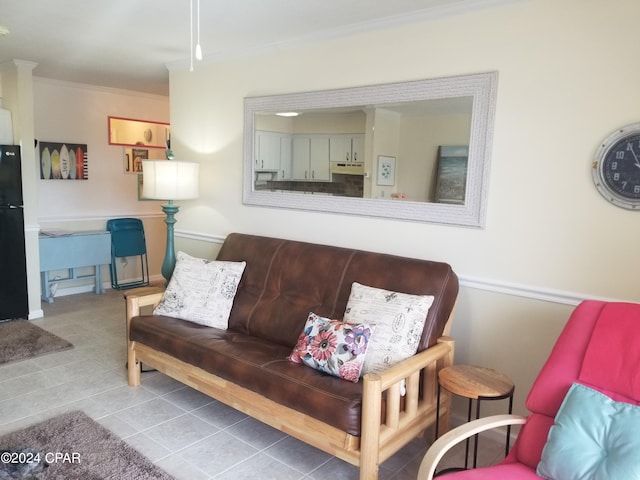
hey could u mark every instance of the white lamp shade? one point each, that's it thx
(169, 179)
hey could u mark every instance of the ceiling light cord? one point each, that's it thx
(198, 49)
(191, 34)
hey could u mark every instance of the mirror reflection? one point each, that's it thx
(138, 133)
(338, 151)
(413, 150)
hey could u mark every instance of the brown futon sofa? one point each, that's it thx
(246, 366)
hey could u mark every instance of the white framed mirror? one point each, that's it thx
(417, 150)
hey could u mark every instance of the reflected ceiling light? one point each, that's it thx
(288, 114)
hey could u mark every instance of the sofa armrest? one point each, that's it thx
(455, 436)
(415, 363)
(406, 415)
(141, 297)
(136, 299)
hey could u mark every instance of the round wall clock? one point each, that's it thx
(616, 168)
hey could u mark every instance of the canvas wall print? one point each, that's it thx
(63, 161)
(451, 180)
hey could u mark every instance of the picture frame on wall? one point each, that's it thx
(63, 161)
(386, 170)
(132, 158)
(451, 177)
(137, 156)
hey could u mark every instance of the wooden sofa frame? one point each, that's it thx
(406, 416)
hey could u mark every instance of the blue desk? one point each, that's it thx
(68, 252)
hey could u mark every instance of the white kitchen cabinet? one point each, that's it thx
(273, 154)
(311, 158)
(301, 156)
(347, 148)
(357, 148)
(286, 155)
(267, 151)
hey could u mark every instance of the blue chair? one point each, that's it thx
(127, 240)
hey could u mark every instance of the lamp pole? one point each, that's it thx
(169, 263)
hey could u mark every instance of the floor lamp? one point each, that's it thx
(169, 180)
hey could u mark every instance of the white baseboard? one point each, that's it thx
(64, 291)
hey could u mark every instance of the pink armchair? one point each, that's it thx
(598, 348)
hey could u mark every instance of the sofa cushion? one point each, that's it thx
(259, 366)
(332, 347)
(277, 292)
(201, 291)
(593, 436)
(398, 319)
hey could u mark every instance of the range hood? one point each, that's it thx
(348, 168)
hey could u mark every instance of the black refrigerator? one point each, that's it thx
(13, 264)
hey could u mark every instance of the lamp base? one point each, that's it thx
(169, 263)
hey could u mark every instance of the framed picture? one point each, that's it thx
(386, 170)
(132, 159)
(452, 174)
(137, 155)
(63, 161)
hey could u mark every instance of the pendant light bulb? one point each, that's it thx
(198, 52)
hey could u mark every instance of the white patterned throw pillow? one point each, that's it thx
(398, 319)
(201, 291)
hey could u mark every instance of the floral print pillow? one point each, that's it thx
(332, 347)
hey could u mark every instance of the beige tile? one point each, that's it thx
(217, 453)
(181, 432)
(148, 446)
(260, 466)
(181, 469)
(211, 441)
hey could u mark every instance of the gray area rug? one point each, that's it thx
(77, 448)
(21, 339)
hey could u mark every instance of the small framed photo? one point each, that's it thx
(386, 170)
(133, 158)
(137, 155)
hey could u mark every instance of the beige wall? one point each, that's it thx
(77, 113)
(566, 80)
(418, 156)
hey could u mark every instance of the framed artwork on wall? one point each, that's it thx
(132, 158)
(452, 174)
(386, 170)
(63, 161)
(137, 155)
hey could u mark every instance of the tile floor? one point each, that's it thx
(186, 433)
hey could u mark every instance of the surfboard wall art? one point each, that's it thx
(63, 161)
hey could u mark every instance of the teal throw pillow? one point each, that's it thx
(593, 438)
